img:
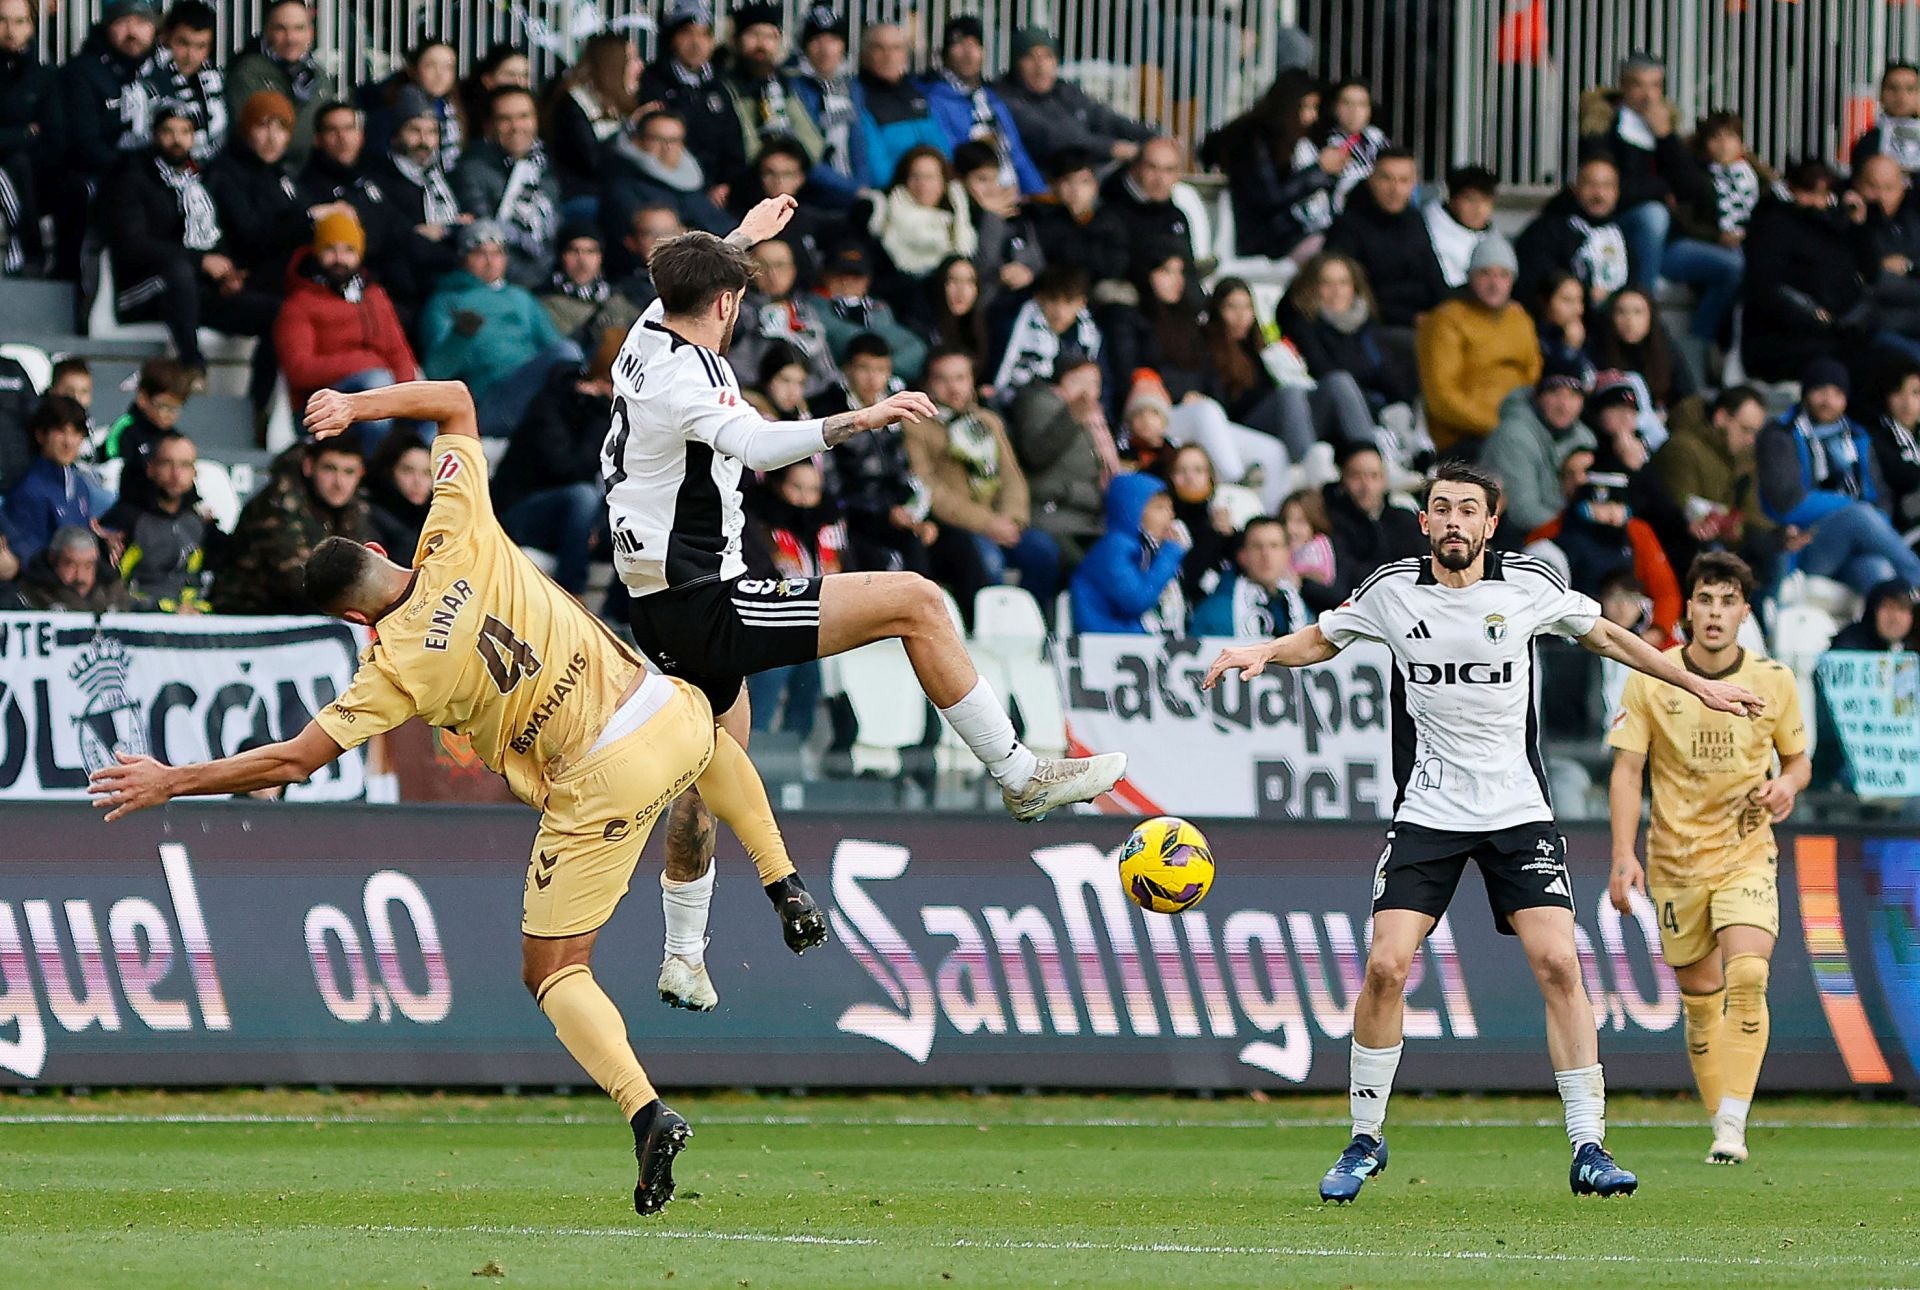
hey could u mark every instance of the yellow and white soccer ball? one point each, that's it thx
(1166, 865)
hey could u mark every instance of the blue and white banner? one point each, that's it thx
(1875, 702)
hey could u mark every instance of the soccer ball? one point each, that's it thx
(1166, 865)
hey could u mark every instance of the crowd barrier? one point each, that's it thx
(239, 944)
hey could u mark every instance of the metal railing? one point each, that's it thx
(1180, 65)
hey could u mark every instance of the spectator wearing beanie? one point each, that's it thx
(337, 329)
(180, 72)
(93, 132)
(823, 82)
(411, 178)
(1144, 421)
(1538, 428)
(683, 78)
(427, 83)
(967, 108)
(1129, 583)
(1053, 113)
(505, 178)
(281, 59)
(894, 115)
(1475, 349)
(584, 306)
(30, 130)
(265, 222)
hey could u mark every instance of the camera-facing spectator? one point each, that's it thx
(630, 255)
(427, 219)
(337, 328)
(1577, 232)
(1058, 428)
(1347, 124)
(261, 215)
(1538, 428)
(1051, 328)
(584, 306)
(1208, 527)
(850, 311)
(1007, 249)
(482, 329)
(1053, 113)
(823, 82)
(684, 79)
(160, 395)
(336, 174)
(967, 107)
(1560, 321)
(1636, 127)
(281, 59)
(1381, 229)
(53, 492)
(1309, 537)
(1261, 600)
(893, 113)
(1459, 224)
(1600, 536)
(652, 166)
(1885, 624)
(164, 539)
(71, 574)
(884, 501)
(1887, 226)
(1707, 468)
(1719, 214)
(400, 491)
(1280, 181)
(427, 83)
(956, 315)
(1368, 529)
(776, 313)
(587, 110)
(1628, 336)
(924, 215)
(1359, 370)
(92, 85)
(503, 64)
(781, 171)
(1475, 349)
(1129, 582)
(1896, 130)
(768, 106)
(180, 72)
(505, 178)
(1145, 419)
(1142, 196)
(1075, 227)
(314, 494)
(779, 388)
(72, 378)
(30, 137)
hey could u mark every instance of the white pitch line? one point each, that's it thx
(911, 1122)
(1110, 1247)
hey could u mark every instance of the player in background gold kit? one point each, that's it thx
(1711, 858)
(474, 638)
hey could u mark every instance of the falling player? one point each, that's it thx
(681, 434)
(474, 638)
(1711, 857)
(1460, 624)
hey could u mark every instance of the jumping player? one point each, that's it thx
(474, 638)
(1460, 624)
(681, 434)
(1711, 858)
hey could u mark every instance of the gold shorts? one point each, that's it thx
(600, 811)
(1692, 915)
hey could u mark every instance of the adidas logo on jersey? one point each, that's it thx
(1420, 632)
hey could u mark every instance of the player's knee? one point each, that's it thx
(1387, 972)
(924, 608)
(1558, 971)
(1747, 976)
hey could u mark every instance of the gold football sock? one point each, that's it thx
(1743, 1046)
(593, 1031)
(1704, 1014)
(732, 789)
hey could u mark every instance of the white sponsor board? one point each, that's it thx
(75, 690)
(1305, 744)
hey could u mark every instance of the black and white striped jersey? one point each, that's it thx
(1466, 734)
(671, 464)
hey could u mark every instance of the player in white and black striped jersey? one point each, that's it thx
(680, 438)
(1460, 623)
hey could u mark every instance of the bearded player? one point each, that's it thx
(1711, 857)
(472, 637)
(1470, 785)
(681, 435)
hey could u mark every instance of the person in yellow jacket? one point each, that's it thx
(1475, 349)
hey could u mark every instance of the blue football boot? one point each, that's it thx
(1362, 1159)
(1595, 1174)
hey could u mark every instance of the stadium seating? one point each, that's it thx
(34, 361)
(1267, 278)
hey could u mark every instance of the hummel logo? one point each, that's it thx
(1420, 632)
(544, 878)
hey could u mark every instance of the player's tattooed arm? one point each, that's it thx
(908, 405)
(836, 430)
(764, 221)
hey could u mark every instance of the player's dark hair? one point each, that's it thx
(693, 270)
(1720, 567)
(867, 345)
(1461, 472)
(333, 570)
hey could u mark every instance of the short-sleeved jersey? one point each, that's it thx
(1466, 736)
(673, 497)
(1706, 766)
(485, 644)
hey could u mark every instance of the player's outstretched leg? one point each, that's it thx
(1378, 1016)
(686, 893)
(1743, 1047)
(590, 1026)
(859, 608)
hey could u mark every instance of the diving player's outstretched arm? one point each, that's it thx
(1308, 645)
(1610, 640)
(136, 783)
(448, 404)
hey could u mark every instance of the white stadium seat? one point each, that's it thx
(1008, 613)
(217, 493)
(889, 710)
(34, 361)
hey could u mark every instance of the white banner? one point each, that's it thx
(74, 690)
(1300, 744)
(1875, 702)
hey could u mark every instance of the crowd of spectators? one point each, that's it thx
(1117, 421)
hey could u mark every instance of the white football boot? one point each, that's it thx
(1061, 781)
(687, 985)
(1729, 1141)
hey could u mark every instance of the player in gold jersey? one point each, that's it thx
(474, 638)
(1711, 857)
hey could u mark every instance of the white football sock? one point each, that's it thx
(685, 905)
(1370, 1084)
(1732, 1108)
(983, 723)
(1583, 1093)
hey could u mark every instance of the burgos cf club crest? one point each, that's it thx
(1496, 628)
(111, 722)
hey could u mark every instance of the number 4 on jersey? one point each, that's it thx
(509, 659)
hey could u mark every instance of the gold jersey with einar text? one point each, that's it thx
(485, 644)
(1705, 767)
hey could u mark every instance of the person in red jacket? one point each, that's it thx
(1600, 535)
(337, 330)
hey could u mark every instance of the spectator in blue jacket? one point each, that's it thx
(1262, 600)
(53, 493)
(1818, 477)
(823, 82)
(893, 115)
(1130, 581)
(967, 109)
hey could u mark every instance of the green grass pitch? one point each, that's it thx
(302, 1189)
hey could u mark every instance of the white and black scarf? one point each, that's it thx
(1314, 213)
(1033, 348)
(1736, 191)
(1601, 262)
(1832, 456)
(985, 126)
(836, 115)
(352, 290)
(203, 224)
(436, 194)
(592, 293)
(1259, 614)
(527, 213)
(694, 78)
